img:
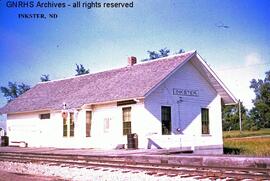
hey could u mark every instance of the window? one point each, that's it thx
(71, 121)
(45, 116)
(205, 120)
(88, 123)
(166, 120)
(65, 127)
(126, 120)
(68, 125)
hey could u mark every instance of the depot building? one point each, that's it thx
(171, 102)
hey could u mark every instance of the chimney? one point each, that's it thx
(132, 60)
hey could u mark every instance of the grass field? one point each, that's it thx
(237, 134)
(245, 144)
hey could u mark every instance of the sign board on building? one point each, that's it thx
(107, 124)
(186, 92)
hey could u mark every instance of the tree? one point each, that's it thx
(230, 118)
(14, 90)
(152, 55)
(260, 113)
(180, 51)
(44, 78)
(81, 70)
(164, 52)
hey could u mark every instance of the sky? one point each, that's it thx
(232, 36)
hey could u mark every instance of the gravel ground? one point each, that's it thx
(82, 174)
(9, 176)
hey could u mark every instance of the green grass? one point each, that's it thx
(237, 134)
(247, 146)
(243, 143)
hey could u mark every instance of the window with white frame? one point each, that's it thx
(126, 120)
(68, 125)
(166, 120)
(88, 123)
(205, 120)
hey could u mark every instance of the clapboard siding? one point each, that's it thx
(187, 114)
(145, 111)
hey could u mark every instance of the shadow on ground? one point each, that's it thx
(234, 151)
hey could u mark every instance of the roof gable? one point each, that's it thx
(210, 76)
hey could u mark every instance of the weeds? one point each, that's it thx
(247, 146)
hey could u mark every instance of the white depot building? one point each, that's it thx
(171, 102)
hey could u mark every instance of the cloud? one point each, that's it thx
(252, 58)
(237, 79)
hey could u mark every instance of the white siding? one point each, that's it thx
(38, 132)
(186, 115)
(145, 119)
(113, 136)
(30, 128)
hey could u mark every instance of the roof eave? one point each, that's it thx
(32, 111)
(220, 83)
(137, 99)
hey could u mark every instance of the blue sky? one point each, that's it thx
(102, 39)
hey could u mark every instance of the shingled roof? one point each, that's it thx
(117, 84)
(125, 83)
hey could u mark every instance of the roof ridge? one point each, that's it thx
(78, 76)
(167, 57)
(115, 69)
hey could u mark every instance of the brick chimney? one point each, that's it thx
(132, 60)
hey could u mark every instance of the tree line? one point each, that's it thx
(259, 116)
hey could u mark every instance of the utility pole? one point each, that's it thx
(240, 115)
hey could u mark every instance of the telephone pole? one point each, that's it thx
(240, 115)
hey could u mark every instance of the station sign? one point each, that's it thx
(186, 92)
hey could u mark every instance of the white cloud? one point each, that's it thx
(238, 78)
(238, 81)
(252, 58)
